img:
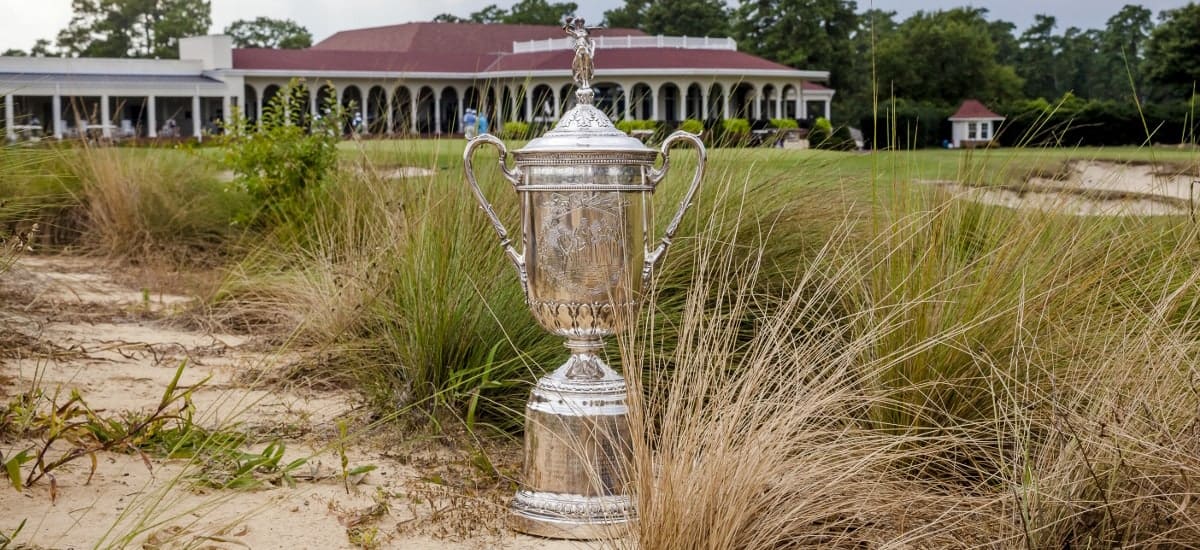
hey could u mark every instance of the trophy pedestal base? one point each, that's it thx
(537, 514)
(577, 449)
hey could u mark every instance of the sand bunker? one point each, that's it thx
(1092, 188)
(116, 344)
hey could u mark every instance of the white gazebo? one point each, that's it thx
(974, 125)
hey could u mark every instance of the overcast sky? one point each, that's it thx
(24, 21)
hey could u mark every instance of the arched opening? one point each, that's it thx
(610, 98)
(268, 95)
(767, 107)
(741, 97)
(352, 102)
(716, 102)
(695, 102)
(641, 104)
(543, 105)
(520, 113)
(250, 110)
(488, 113)
(566, 98)
(451, 120)
(376, 122)
(789, 102)
(425, 110)
(668, 102)
(326, 98)
(506, 104)
(301, 99)
(401, 111)
(471, 99)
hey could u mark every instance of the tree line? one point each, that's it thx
(152, 28)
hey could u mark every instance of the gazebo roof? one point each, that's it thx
(972, 109)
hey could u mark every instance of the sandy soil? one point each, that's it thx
(1093, 188)
(119, 346)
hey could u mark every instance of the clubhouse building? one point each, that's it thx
(407, 79)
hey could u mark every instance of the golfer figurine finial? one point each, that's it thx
(583, 67)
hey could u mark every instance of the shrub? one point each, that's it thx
(628, 126)
(785, 123)
(903, 124)
(735, 132)
(820, 133)
(288, 153)
(1073, 122)
(515, 129)
(692, 126)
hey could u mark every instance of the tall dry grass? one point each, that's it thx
(966, 376)
(138, 205)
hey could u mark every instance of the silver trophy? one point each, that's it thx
(587, 223)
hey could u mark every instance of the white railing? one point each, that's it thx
(613, 42)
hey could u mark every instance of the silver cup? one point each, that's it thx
(587, 257)
(586, 192)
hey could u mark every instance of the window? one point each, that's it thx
(972, 130)
(985, 130)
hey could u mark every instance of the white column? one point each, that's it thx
(313, 108)
(627, 93)
(363, 111)
(756, 108)
(681, 104)
(226, 106)
(152, 115)
(654, 95)
(827, 102)
(259, 113)
(725, 99)
(9, 118)
(462, 98)
(412, 110)
(56, 112)
(437, 113)
(197, 121)
(528, 105)
(801, 108)
(390, 116)
(557, 103)
(105, 117)
(704, 102)
(779, 112)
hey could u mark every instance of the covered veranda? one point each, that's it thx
(112, 106)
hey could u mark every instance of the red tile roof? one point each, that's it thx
(813, 86)
(479, 49)
(638, 58)
(972, 108)
(343, 60)
(478, 38)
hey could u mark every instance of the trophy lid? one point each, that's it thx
(584, 127)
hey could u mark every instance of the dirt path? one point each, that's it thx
(71, 325)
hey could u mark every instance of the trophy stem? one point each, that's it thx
(577, 449)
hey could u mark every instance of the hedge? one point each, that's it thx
(1068, 122)
(1072, 122)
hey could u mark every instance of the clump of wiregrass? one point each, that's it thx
(964, 374)
(140, 205)
(748, 431)
(403, 279)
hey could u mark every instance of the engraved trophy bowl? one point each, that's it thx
(585, 191)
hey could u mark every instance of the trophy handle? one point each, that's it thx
(513, 176)
(657, 175)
